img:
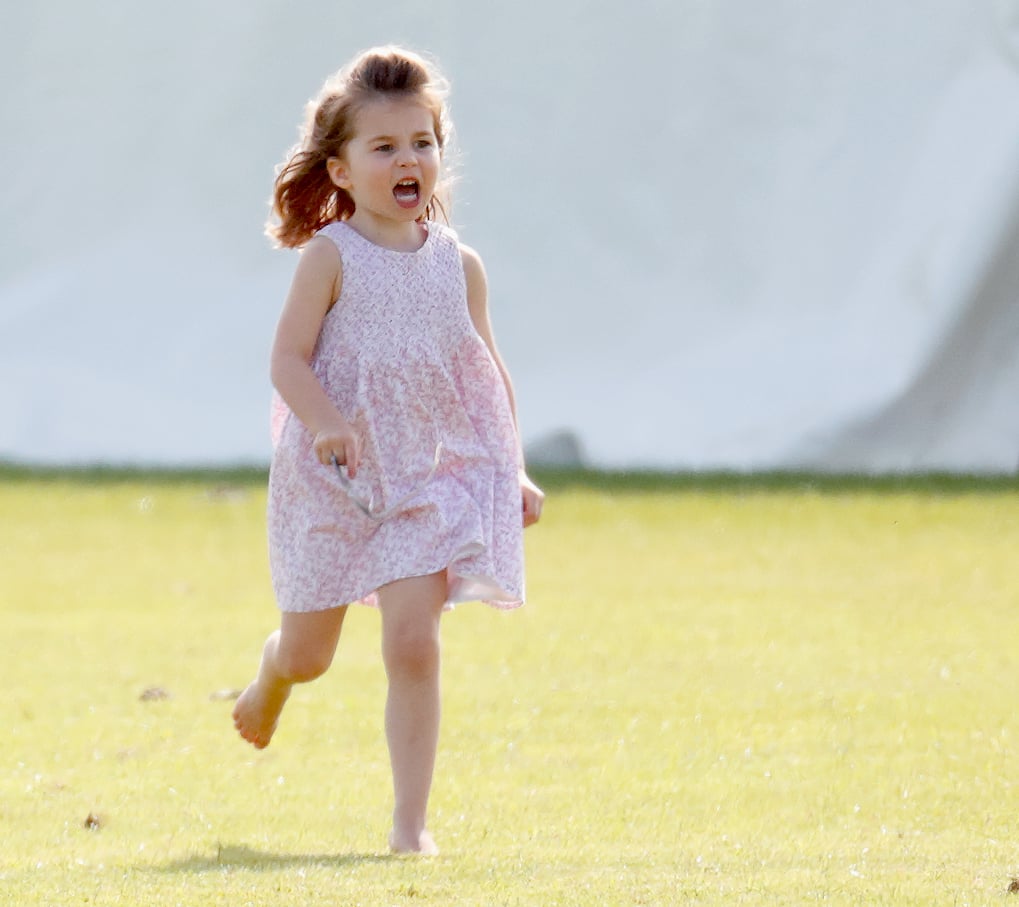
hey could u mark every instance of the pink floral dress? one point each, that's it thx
(438, 488)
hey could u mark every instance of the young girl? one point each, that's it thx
(397, 477)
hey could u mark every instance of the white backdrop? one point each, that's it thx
(719, 233)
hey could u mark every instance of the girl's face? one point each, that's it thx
(391, 165)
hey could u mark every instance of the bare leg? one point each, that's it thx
(300, 650)
(411, 611)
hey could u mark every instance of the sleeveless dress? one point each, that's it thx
(401, 360)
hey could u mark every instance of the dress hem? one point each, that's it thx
(459, 589)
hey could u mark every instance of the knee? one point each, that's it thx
(303, 665)
(412, 652)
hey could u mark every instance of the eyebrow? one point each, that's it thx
(390, 138)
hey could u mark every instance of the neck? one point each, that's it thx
(400, 237)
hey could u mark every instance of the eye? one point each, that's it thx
(385, 146)
(423, 143)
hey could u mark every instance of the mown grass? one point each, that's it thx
(729, 689)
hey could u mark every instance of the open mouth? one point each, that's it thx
(407, 193)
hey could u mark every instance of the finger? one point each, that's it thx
(328, 455)
(351, 456)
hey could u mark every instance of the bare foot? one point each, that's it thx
(422, 844)
(257, 713)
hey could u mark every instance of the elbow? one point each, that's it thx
(275, 370)
(281, 364)
(286, 367)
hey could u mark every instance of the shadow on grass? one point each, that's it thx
(230, 856)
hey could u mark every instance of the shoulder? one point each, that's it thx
(442, 230)
(476, 284)
(443, 237)
(332, 236)
(320, 264)
(321, 252)
(474, 268)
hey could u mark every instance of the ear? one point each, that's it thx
(337, 170)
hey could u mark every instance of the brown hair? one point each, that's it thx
(304, 198)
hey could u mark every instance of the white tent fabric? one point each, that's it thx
(720, 234)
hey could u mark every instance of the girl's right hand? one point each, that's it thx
(340, 443)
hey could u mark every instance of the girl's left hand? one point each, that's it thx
(533, 500)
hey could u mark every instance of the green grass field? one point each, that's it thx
(722, 691)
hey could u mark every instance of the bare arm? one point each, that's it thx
(477, 305)
(315, 287)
